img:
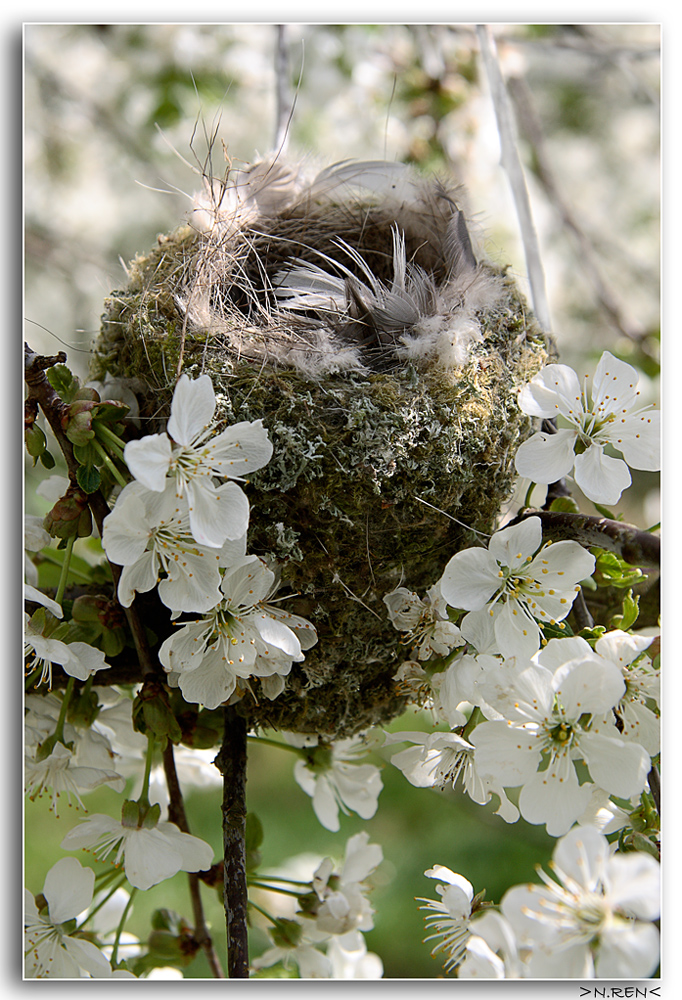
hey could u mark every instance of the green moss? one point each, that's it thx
(347, 505)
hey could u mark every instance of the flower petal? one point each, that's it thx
(240, 449)
(546, 458)
(601, 478)
(553, 390)
(192, 409)
(68, 889)
(638, 437)
(616, 765)
(148, 459)
(470, 579)
(512, 546)
(614, 387)
(216, 515)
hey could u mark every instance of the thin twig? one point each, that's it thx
(587, 258)
(282, 90)
(231, 762)
(512, 164)
(177, 815)
(654, 780)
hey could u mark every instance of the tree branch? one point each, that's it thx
(41, 392)
(637, 547)
(177, 815)
(512, 164)
(585, 253)
(231, 762)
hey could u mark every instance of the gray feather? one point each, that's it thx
(457, 249)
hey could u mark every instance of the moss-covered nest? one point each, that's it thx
(370, 457)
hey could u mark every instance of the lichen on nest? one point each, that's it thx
(380, 430)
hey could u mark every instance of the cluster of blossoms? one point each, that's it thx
(333, 777)
(568, 724)
(176, 529)
(593, 919)
(332, 916)
(562, 722)
(173, 528)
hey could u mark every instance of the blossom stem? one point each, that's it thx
(474, 719)
(257, 884)
(289, 881)
(58, 735)
(106, 459)
(63, 576)
(149, 760)
(282, 746)
(55, 557)
(113, 440)
(268, 916)
(120, 879)
(121, 925)
(231, 762)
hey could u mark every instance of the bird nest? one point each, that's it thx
(352, 313)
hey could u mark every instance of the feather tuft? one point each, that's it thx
(359, 266)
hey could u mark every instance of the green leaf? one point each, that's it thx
(88, 478)
(611, 570)
(566, 505)
(630, 613)
(35, 441)
(85, 454)
(110, 411)
(559, 631)
(63, 381)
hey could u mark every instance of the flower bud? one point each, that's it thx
(70, 517)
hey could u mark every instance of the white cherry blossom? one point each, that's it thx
(515, 581)
(334, 780)
(149, 535)
(554, 716)
(448, 918)
(311, 962)
(428, 630)
(612, 418)
(242, 636)
(639, 721)
(594, 918)
(439, 760)
(51, 951)
(492, 950)
(61, 772)
(350, 959)
(344, 907)
(149, 854)
(192, 454)
(77, 659)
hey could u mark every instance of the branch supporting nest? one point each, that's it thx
(231, 762)
(637, 547)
